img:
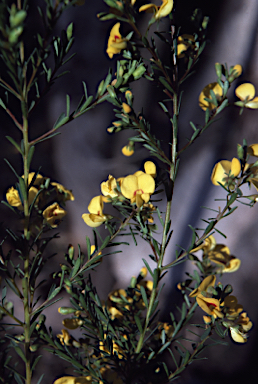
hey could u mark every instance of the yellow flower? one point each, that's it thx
(64, 337)
(96, 217)
(53, 214)
(221, 255)
(13, 198)
(72, 323)
(183, 43)
(246, 92)
(209, 281)
(252, 150)
(205, 94)
(209, 305)
(74, 380)
(138, 188)
(221, 171)
(66, 192)
(207, 245)
(115, 41)
(109, 187)
(162, 11)
(12, 195)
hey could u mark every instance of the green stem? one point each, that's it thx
(26, 279)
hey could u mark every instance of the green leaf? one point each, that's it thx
(62, 119)
(86, 103)
(166, 84)
(75, 268)
(2, 104)
(16, 145)
(19, 352)
(138, 323)
(144, 296)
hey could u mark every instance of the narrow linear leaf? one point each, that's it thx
(16, 145)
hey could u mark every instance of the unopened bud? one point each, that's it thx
(111, 91)
(138, 73)
(69, 31)
(66, 310)
(16, 19)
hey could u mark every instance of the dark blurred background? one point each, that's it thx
(85, 154)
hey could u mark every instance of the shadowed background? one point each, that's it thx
(85, 154)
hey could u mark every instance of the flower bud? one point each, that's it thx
(69, 31)
(111, 91)
(126, 108)
(16, 19)
(66, 310)
(138, 73)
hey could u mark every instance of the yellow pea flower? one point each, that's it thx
(237, 335)
(208, 244)
(12, 195)
(72, 323)
(109, 187)
(221, 171)
(115, 41)
(96, 217)
(13, 198)
(66, 192)
(64, 337)
(162, 11)
(246, 92)
(205, 94)
(53, 214)
(209, 305)
(221, 255)
(138, 188)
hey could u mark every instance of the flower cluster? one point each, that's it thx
(214, 93)
(233, 174)
(136, 188)
(44, 196)
(218, 304)
(122, 308)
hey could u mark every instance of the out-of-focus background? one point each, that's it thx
(85, 154)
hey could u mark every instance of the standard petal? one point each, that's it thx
(146, 183)
(164, 9)
(150, 168)
(96, 205)
(245, 91)
(235, 166)
(129, 186)
(219, 171)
